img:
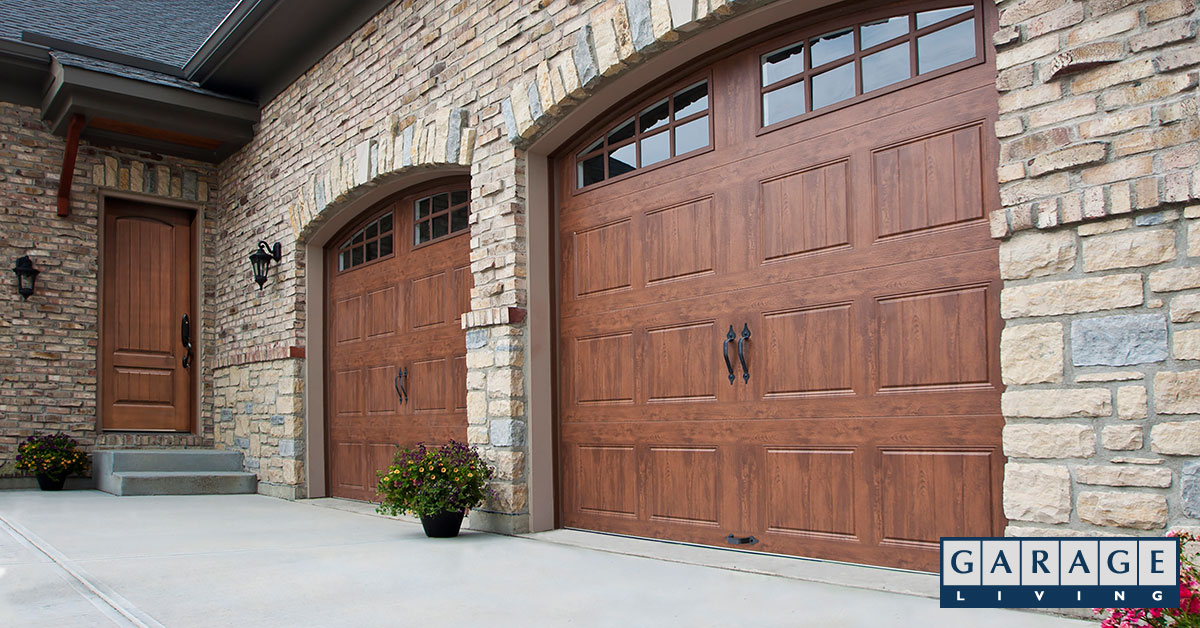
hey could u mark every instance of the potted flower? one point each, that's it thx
(437, 484)
(51, 457)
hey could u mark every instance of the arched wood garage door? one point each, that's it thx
(399, 279)
(778, 297)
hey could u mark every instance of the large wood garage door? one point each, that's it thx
(784, 325)
(399, 281)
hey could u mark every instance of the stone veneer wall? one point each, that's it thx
(1101, 350)
(48, 344)
(423, 86)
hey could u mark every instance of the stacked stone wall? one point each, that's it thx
(49, 343)
(1100, 143)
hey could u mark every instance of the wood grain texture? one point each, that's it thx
(397, 312)
(147, 269)
(854, 247)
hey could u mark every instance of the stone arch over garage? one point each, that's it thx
(408, 152)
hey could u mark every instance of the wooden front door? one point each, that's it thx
(399, 282)
(146, 371)
(779, 300)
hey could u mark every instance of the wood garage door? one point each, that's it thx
(399, 281)
(784, 325)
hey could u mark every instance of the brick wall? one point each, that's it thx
(48, 343)
(1100, 141)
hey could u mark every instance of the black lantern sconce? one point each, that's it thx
(26, 276)
(260, 260)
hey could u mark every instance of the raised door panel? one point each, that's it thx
(811, 492)
(603, 369)
(929, 182)
(427, 301)
(603, 259)
(805, 211)
(679, 363)
(808, 351)
(684, 485)
(925, 495)
(606, 480)
(935, 339)
(679, 241)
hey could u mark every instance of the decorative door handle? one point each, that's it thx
(401, 375)
(741, 354)
(729, 337)
(740, 540)
(185, 333)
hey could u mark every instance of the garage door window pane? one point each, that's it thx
(946, 47)
(423, 208)
(385, 246)
(690, 136)
(422, 232)
(890, 65)
(458, 220)
(833, 86)
(458, 197)
(782, 64)
(831, 47)
(344, 260)
(783, 103)
(591, 170)
(691, 101)
(441, 225)
(372, 250)
(655, 148)
(621, 133)
(622, 160)
(385, 223)
(925, 18)
(657, 116)
(879, 31)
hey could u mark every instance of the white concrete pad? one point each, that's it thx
(237, 560)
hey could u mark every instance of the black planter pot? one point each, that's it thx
(47, 483)
(442, 525)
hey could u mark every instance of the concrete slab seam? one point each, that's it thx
(107, 601)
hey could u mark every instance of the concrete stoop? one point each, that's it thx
(171, 472)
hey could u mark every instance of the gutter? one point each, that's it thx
(226, 37)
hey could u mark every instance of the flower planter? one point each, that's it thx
(442, 525)
(47, 483)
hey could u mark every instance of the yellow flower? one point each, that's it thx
(470, 475)
(443, 469)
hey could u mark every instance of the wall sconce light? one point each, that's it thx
(260, 260)
(26, 276)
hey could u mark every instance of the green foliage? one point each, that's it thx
(426, 481)
(51, 455)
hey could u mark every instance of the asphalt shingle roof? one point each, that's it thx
(166, 31)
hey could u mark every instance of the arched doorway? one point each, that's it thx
(398, 279)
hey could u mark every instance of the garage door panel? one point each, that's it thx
(603, 369)
(684, 485)
(348, 392)
(936, 339)
(383, 312)
(427, 384)
(811, 492)
(379, 395)
(929, 182)
(807, 351)
(347, 312)
(427, 301)
(927, 494)
(607, 479)
(601, 259)
(680, 242)
(804, 211)
(679, 363)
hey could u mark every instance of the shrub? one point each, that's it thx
(426, 481)
(1188, 613)
(52, 455)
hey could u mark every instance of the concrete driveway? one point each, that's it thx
(85, 558)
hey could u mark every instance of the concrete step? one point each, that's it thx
(169, 460)
(183, 482)
(171, 472)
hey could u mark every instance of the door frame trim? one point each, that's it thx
(197, 300)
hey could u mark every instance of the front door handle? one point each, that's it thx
(185, 334)
(729, 337)
(742, 354)
(401, 374)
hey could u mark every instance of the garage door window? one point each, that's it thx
(836, 67)
(440, 215)
(670, 127)
(372, 242)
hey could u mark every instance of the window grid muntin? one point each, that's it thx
(603, 149)
(352, 253)
(857, 56)
(447, 214)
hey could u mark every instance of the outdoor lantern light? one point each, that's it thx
(260, 260)
(26, 276)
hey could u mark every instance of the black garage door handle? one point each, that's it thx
(741, 354)
(725, 350)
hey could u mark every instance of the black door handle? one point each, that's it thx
(185, 333)
(401, 374)
(741, 354)
(725, 350)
